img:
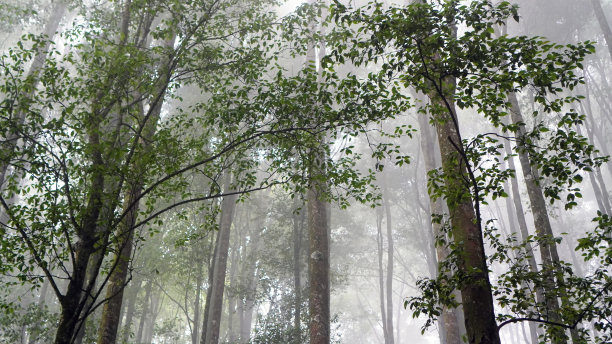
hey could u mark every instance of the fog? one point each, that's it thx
(253, 171)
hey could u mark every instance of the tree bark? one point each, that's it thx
(298, 228)
(318, 269)
(544, 233)
(390, 252)
(381, 273)
(466, 228)
(118, 276)
(450, 325)
(228, 206)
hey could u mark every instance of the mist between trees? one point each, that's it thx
(249, 171)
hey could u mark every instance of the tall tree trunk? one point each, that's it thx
(213, 324)
(129, 314)
(58, 12)
(381, 273)
(603, 24)
(125, 231)
(548, 247)
(390, 252)
(145, 311)
(318, 269)
(211, 268)
(516, 213)
(318, 234)
(197, 304)
(249, 277)
(298, 228)
(450, 326)
(466, 228)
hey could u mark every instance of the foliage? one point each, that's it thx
(450, 51)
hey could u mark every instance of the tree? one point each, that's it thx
(456, 73)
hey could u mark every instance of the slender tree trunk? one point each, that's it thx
(298, 226)
(59, 10)
(390, 252)
(548, 247)
(249, 277)
(196, 306)
(228, 206)
(516, 212)
(211, 268)
(231, 295)
(603, 24)
(145, 310)
(381, 273)
(129, 314)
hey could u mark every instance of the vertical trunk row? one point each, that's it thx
(129, 314)
(517, 215)
(39, 60)
(125, 230)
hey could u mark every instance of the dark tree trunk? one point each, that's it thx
(450, 326)
(318, 269)
(466, 229)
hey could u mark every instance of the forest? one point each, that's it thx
(327, 171)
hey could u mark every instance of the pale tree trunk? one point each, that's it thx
(381, 272)
(157, 301)
(544, 233)
(249, 278)
(390, 252)
(298, 229)
(145, 311)
(213, 324)
(231, 295)
(450, 326)
(211, 268)
(40, 57)
(197, 304)
(603, 24)
(129, 314)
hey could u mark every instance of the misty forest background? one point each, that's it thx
(249, 171)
